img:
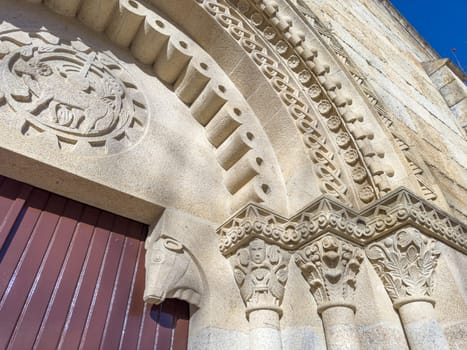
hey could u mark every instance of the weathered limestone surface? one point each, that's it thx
(266, 143)
(391, 57)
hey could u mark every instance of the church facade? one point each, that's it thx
(295, 171)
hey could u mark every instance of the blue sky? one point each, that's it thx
(443, 24)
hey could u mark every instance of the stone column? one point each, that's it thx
(257, 246)
(405, 262)
(261, 270)
(330, 267)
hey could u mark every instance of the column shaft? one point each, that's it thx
(265, 331)
(422, 329)
(340, 329)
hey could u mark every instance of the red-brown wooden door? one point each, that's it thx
(72, 277)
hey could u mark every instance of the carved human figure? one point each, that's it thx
(257, 249)
(330, 266)
(261, 273)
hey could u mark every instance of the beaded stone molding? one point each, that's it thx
(340, 140)
(397, 210)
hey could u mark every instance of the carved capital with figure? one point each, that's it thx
(330, 266)
(261, 271)
(405, 262)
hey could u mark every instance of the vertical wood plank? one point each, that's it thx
(28, 325)
(135, 308)
(101, 300)
(81, 303)
(72, 276)
(116, 315)
(12, 200)
(17, 292)
(67, 282)
(19, 237)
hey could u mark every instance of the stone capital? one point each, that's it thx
(330, 266)
(261, 272)
(405, 262)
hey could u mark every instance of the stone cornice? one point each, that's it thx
(398, 209)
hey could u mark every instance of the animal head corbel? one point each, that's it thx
(171, 272)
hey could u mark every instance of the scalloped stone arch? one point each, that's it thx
(349, 154)
(345, 163)
(311, 82)
(237, 163)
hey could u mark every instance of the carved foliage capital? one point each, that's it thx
(405, 263)
(261, 272)
(330, 266)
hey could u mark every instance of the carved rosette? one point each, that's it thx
(405, 262)
(79, 99)
(330, 266)
(260, 271)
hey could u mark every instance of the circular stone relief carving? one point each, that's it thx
(84, 99)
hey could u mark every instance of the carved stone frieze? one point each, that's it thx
(393, 212)
(402, 208)
(83, 99)
(249, 223)
(405, 263)
(330, 266)
(261, 271)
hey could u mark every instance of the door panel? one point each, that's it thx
(72, 277)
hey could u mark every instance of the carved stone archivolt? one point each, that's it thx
(405, 262)
(301, 78)
(261, 272)
(330, 267)
(82, 99)
(341, 141)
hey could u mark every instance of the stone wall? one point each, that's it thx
(391, 56)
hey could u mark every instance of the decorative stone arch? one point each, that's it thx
(305, 107)
(243, 159)
(299, 75)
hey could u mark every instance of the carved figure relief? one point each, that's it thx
(330, 266)
(405, 263)
(73, 93)
(261, 272)
(171, 273)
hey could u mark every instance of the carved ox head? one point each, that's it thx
(170, 273)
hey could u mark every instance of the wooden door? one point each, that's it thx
(72, 277)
